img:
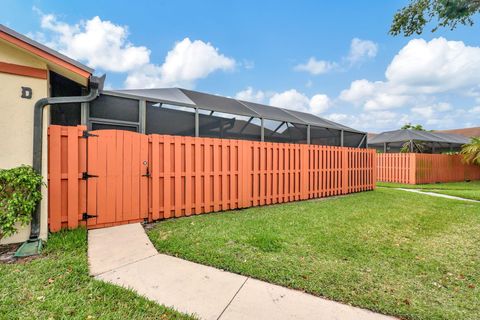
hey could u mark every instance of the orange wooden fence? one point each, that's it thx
(135, 177)
(415, 168)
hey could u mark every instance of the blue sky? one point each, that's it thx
(260, 51)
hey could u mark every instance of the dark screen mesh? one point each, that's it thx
(105, 126)
(269, 112)
(218, 103)
(419, 147)
(163, 119)
(286, 132)
(114, 108)
(229, 126)
(352, 139)
(324, 136)
(64, 114)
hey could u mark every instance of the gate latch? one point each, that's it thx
(86, 216)
(147, 174)
(86, 134)
(86, 175)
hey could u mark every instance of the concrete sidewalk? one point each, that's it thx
(439, 195)
(125, 256)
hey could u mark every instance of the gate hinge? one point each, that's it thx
(86, 134)
(86, 216)
(86, 175)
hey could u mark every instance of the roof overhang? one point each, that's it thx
(55, 61)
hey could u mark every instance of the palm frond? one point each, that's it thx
(471, 151)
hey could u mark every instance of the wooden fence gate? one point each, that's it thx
(116, 175)
(109, 177)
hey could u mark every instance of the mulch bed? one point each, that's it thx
(8, 250)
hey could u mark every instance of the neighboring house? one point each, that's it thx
(371, 135)
(467, 132)
(416, 141)
(30, 71)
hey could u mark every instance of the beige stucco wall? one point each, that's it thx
(16, 124)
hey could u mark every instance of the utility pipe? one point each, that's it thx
(95, 86)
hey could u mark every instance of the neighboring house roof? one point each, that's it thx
(43, 51)
(371, 135)
(404, 135)
(184, 97)
(467, 132)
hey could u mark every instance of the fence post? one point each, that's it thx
(244, 173)
(73, 177)
(374, 163)
(413, 169)
(345, 170)
(304, 172)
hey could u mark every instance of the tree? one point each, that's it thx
(471, 151)
(449, 13)
(409, 126)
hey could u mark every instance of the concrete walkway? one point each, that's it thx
(437, 195)
(125, 256)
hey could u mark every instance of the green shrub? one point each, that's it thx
(19, 194)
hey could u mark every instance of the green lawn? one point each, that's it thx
(57, 286)
(394, 252)
(468, 190)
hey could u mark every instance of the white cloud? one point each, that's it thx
(361, 50)
(377, 121)
(429, 112)
(319, 103)
(291, 99)
(386, 100)
(251, 95)
(475, 111)
(104, 45)
(101, 44)
(288, 99)
(436, 114)
(340, 117)
(418, 71)
(374, 95)
(187, 62)
(359, 91)
(248, 64)
(435, 66)
(316, 67)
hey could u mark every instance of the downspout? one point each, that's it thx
(95, 86)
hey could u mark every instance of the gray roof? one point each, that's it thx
(40, 46)
(184, 97)
(416, 135)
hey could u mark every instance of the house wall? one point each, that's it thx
(16, 122)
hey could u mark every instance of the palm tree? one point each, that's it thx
(471, 151)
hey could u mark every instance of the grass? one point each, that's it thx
(467, 190)
(57, 286)
(397, 253)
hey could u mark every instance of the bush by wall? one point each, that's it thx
(19, 194)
